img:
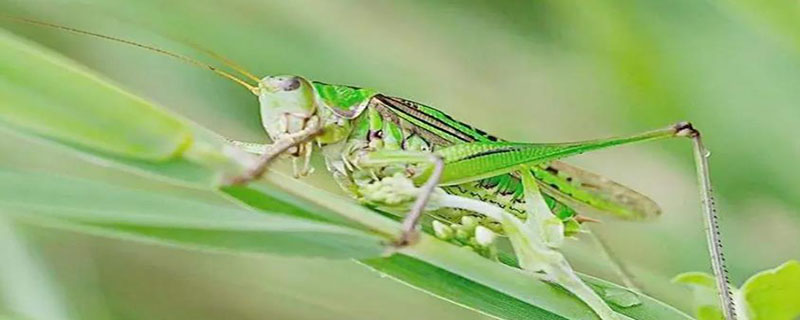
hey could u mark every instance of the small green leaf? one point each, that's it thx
(700, 279)
(704, 289)
(774, 294)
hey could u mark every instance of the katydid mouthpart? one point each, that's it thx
(411, 159)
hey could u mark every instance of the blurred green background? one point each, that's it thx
(541, 71)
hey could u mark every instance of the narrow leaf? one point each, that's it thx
(122, 211)
(452, 287)
(48, 95)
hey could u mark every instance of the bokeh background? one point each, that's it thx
(541, 71)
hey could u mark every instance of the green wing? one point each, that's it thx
(588, 192)
(566, 185)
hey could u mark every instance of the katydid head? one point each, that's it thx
(287, 104)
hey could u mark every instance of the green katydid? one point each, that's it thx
(411, 159)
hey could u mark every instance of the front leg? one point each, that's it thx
(270, 152)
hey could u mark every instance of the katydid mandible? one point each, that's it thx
(411, 159)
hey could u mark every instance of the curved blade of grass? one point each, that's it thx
(525, 287)
(89, 111)
(457, 289)
(177, 221)
(46, 96)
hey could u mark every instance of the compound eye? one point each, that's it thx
(290, 84)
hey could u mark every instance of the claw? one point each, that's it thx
(285, 144)
(407, 238)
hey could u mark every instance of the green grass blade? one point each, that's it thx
(131, 213)
(45, 94)
(454, 288)
(525, 287)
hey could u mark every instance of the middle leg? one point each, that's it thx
(422, 194)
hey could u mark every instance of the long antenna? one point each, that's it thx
(224, 60)
(181, 57)
(711, 221)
